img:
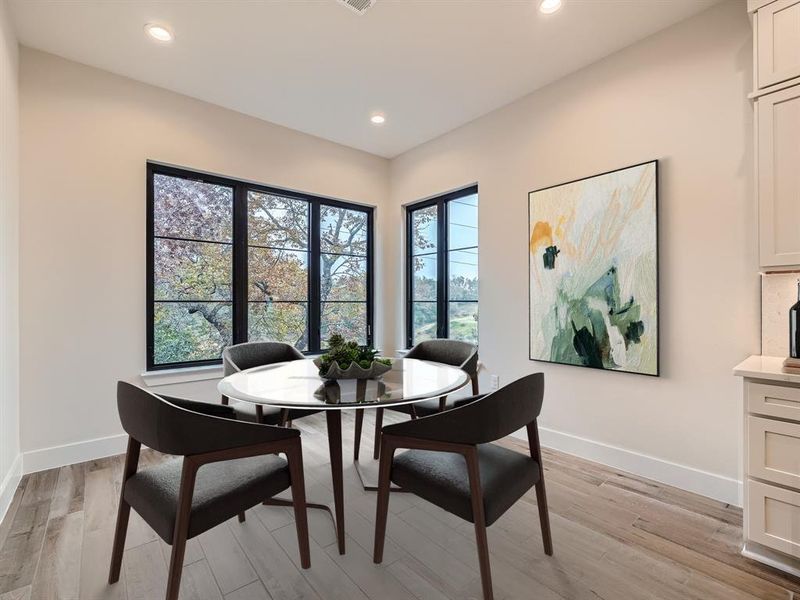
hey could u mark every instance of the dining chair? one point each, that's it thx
(256, 354)
(450, 461)
(450, 352)
(226, 467)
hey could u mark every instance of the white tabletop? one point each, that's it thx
(297, 384)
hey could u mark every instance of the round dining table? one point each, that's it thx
(298, 385)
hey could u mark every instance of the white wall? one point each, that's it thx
(10, 465)
(680, 97)
(86, 135)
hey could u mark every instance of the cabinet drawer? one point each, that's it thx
(773, 400)
(773, 517)
(778, 47)
(774, 450)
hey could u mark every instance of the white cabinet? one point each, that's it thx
(777, 42)
(777, 105)
(771, 462)
(778, 157)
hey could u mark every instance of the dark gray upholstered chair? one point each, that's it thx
(450, 352)
(452, 463)
(256, 354)
(227, 466)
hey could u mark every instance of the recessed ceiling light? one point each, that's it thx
(158, 32)
(549, 6)
(377, 119)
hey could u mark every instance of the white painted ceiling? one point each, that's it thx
(315, 66)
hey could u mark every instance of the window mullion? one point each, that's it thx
(441, 290)
(240, 264)
(314, 302)
(370, 281)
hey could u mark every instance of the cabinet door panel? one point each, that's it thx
(778, 42)
(773, 518)
(774, 451)
(779, 177)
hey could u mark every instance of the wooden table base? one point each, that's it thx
(371, 485)
(334, 419)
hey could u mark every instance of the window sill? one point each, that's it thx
(184, 375)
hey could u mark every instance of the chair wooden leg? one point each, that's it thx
(188, 476)
(541, 494)
(479, 518)
(544, 517)
(119, 541)
(359, 424)
(284, 417)
(376, 452)
(259, 413)
(384, 483)
(225, 400)
(241, 517)
(299, 504)
(123, 511)
(475, 391)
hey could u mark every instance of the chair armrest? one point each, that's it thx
(483, 419)
(206, 408)
(409, 443)
(465, 401)
(470, 366)
(199, 433)
(447, 426)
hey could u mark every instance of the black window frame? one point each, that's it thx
(442, 266)
(240, 247)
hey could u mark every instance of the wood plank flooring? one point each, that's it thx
(616, 536)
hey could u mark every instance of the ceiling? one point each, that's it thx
(315, 66)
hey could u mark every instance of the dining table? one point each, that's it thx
(298, 385)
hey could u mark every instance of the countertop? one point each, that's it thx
(765, 367)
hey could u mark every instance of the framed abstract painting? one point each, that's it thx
(593, 267)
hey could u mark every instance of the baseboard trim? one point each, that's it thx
(711, 485)
(9, 486)
(772, 558)
(69, 454)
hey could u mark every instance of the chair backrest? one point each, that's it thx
(170, 429)
(491, 418)
(255, 354)
(449, 352)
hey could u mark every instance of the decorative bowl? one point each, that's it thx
(354, 371)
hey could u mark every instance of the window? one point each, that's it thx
(231, 261)
(442, 268)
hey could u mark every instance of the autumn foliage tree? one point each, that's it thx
(193, 269)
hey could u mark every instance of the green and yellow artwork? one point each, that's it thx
(593, 255)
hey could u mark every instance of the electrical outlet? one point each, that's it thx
(495, 382)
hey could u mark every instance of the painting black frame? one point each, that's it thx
(239, 298)
(655, 163)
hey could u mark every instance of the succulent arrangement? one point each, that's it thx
(344, 355)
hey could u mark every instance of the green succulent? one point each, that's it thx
(345, 353)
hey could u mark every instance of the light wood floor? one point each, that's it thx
(616, 537)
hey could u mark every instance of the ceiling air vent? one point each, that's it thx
(359, 6)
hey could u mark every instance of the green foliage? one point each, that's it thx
(345, 353)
